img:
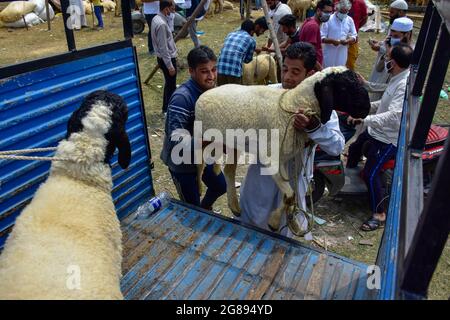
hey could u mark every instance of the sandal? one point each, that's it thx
(372, 224)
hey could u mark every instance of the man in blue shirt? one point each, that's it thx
(238, 48)
(179, 129)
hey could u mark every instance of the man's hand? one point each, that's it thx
(353, 121)
(336, 42)
(258, 50)
(302, 122)
(344, 42)
(374, 45)
(172, 71)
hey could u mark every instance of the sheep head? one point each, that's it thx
(341, 90)
(103, 114)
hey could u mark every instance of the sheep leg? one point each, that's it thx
(229, 172)
(200, 168)
(288, 201)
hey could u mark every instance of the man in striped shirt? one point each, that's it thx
(179, 132)
(237, 49)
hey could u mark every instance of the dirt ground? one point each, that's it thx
(343, 215)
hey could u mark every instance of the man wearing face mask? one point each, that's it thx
(337, 34)
(397, 9)
(310, 30)
(358, 12)
(165, 49)
(277, 11)
(379, 142)
(400, 32)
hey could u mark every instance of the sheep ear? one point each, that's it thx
(123, 144)
(324, 94)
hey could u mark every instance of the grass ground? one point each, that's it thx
(343, 215)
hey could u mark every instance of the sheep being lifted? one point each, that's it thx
(260, 107)
(66, 244)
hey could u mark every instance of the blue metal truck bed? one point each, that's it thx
(182, 252)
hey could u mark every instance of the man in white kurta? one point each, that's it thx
(259, 195)
(337, 34)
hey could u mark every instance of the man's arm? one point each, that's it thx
(391, 117)
(249, 54)
(329, 137)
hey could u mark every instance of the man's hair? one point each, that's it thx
(261, 21)
(288, 20)
(402, 54)
(165, 4)
(200, 55)
(303, 51)
(248, 25)
(322, 3)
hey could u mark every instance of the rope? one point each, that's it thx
(12, 155)
(298, 144)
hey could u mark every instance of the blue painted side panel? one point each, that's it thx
(182, 252)
(34, 109)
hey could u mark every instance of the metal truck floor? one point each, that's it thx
(182, 252)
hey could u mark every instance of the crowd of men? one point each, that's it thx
(329, 38)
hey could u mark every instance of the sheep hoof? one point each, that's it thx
(293, 225)
(236, 213)
(275, 221)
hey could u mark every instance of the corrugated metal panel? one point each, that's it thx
(184, 253)
(34, 109)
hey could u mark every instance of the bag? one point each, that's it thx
(15, 10)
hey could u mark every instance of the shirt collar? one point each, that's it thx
(163, 16)
(401, 75)
(196, 86)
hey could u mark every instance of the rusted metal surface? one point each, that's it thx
(182, 252)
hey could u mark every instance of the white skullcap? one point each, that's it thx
(344, 4)
(402, 24)
(399, 4)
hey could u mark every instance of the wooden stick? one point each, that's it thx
(47, 11)
(25, 22)
(273, 36)
(183, 30)
(93, 12)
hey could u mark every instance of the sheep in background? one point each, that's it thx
(109, 5)
(299, 7)
(261, 70)
(261, 107)
(87, 7)
(66, 244)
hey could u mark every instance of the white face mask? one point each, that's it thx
(395, 41)
(341, 16)
(325, 17)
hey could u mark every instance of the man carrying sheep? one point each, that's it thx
(238, 48)
(259, 194)
(180, 119)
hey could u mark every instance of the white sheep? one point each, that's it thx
(299, 7)
(87, 7)
(261, 70)
(261, 107)
(109, 5)
(66, 244)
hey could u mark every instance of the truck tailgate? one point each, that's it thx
(182, 252)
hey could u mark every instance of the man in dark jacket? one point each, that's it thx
(179, 132)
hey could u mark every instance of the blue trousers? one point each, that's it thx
(187, 187)
(98, 14)
(377, 153)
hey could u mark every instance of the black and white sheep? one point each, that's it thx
(260, 107)
(66, 244)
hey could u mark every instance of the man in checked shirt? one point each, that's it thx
(237, 49)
